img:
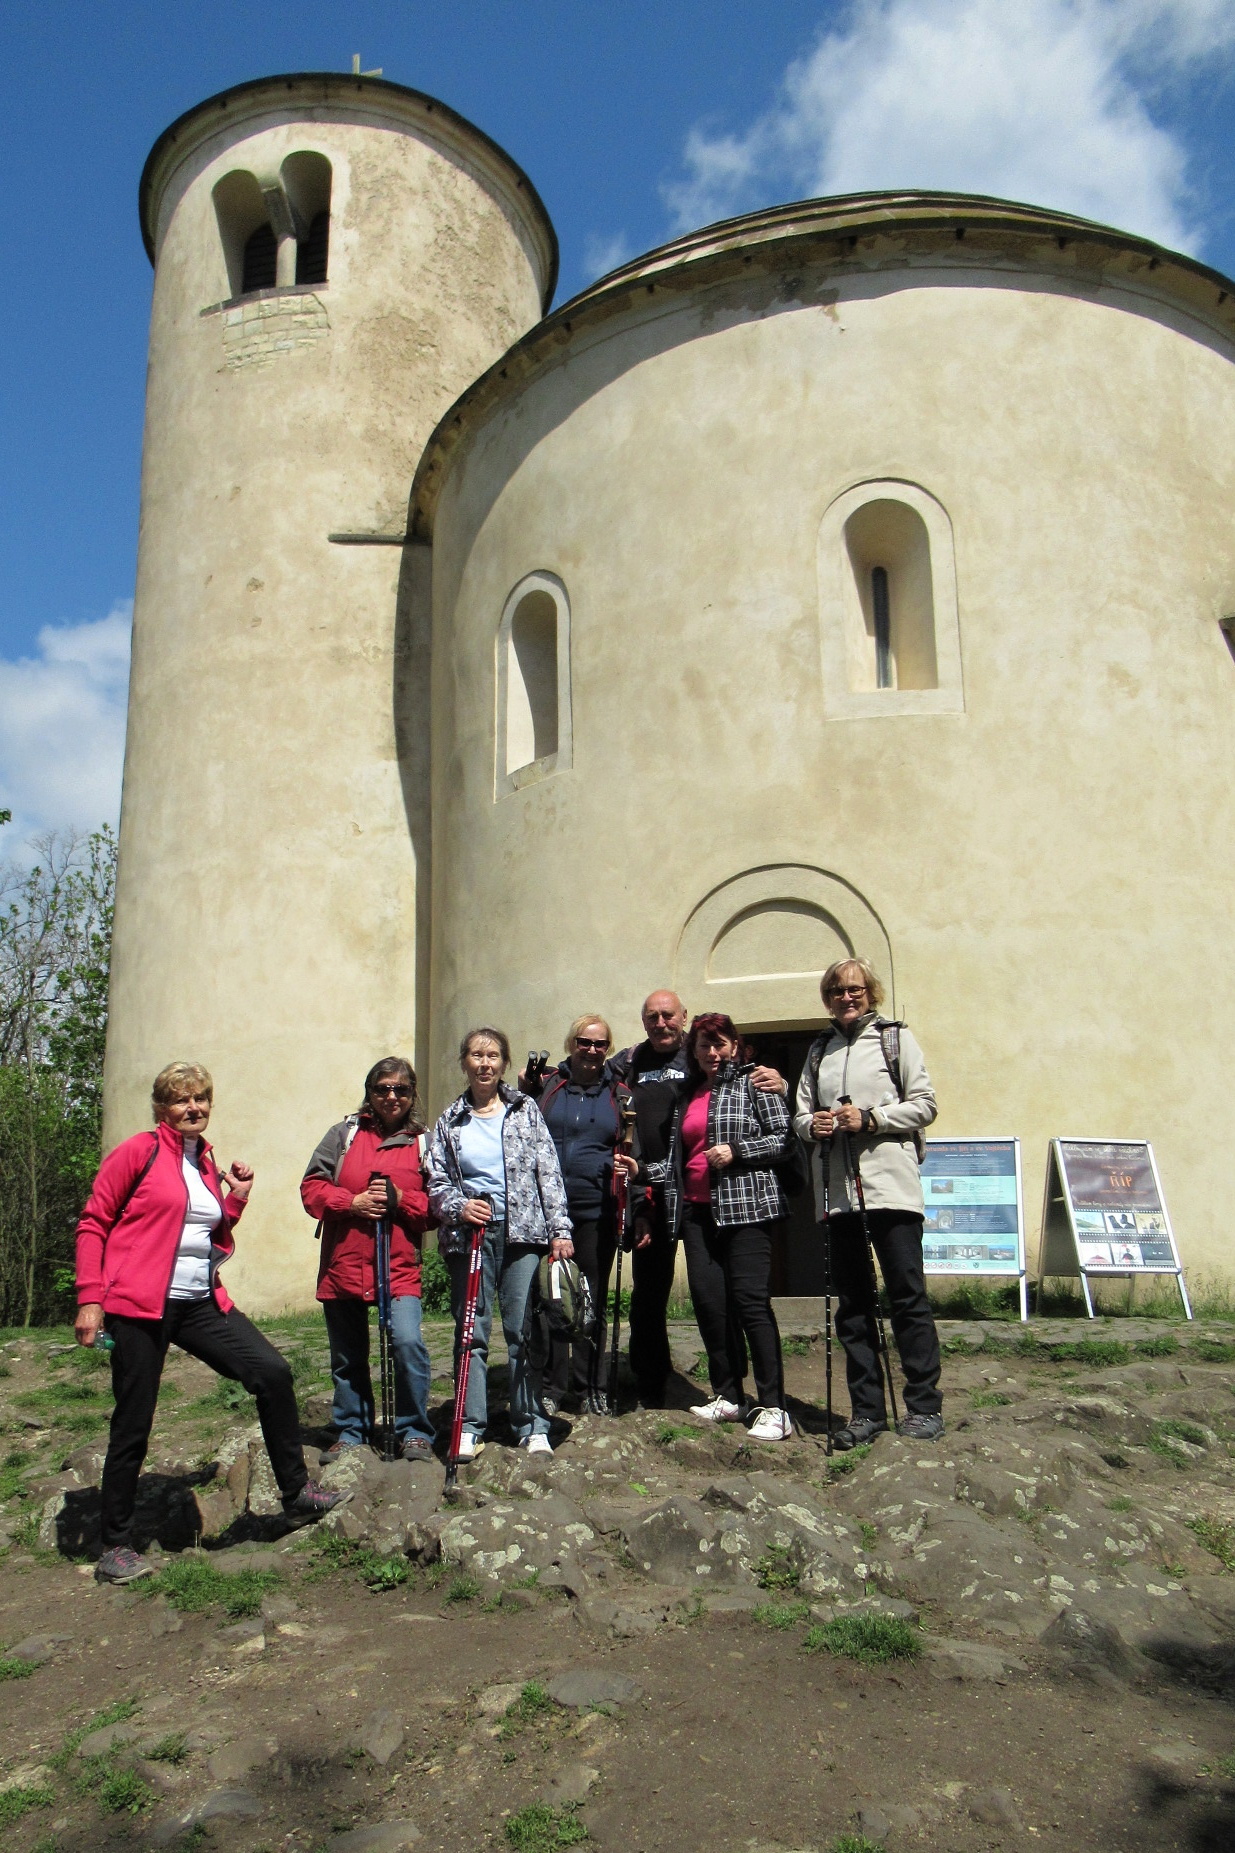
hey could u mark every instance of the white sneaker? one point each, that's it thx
(470, 1446)
(718, 1410)
(537, 1444)
(770, 1425)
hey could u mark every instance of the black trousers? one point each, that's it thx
(730, 1275)
(897, 1240)
(580, 1368)
(230, 1344)
(651, 1282)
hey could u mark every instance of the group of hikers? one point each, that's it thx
(681, 1137)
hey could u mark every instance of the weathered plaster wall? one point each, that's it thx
(1050, 861)
(275, 802)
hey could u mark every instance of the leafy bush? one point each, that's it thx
(869, 1638)
(434, 1282)
(776, 1569)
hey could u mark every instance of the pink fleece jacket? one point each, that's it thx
(126, 1252)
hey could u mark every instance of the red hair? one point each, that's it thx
(714, 1023)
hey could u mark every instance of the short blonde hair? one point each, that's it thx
(176, 1082)
(581, 1023)
(874, 990)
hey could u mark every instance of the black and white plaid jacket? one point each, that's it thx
(757, 1127)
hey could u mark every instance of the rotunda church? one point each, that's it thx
(853, 576)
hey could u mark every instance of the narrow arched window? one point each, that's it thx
(312, 253)
(883, 626)
(889, 553)
(261, 258)
(533, 683)
(307, 178)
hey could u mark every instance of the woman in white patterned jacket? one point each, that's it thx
(722, 1195)
(492, 1165)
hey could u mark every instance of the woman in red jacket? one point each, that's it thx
(385, 1137)
(150, 1243)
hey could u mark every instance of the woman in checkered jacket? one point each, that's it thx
(722, 1195)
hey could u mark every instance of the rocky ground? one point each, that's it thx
(662, 1638)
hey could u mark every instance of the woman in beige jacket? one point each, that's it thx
(876, 1068)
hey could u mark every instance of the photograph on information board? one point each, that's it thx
(1116, 1206)
(971, 1196)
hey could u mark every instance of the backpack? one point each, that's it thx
(890, 1043)
(559, 1307)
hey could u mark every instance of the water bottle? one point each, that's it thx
(104, 1342)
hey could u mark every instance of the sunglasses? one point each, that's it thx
(391, 1093)
(590, 1042)
(848, 990)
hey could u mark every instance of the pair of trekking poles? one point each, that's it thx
(853, 1171)
(475, 1268)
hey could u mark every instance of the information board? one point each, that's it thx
(1104, 1214)
(974, 1220)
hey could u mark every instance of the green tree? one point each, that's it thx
(55, 941)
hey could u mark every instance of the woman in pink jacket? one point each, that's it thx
(150, 1243)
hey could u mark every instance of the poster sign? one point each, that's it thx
(974, 1223)
(1105, 1214)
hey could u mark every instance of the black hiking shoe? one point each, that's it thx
(311, 1503)
(858, 1432)
(596, 1403)
(921, 1427)
(123, 1565)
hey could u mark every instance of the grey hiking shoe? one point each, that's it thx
(858, 1432)
(921, 1427)
(311, 1503)
(415, 1448)
(336, 1450)
(122, 1565)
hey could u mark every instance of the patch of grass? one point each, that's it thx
(870, 1534)
(699, 1369)
(169, 1749)
(976, 1300)
(1221, 1766)
(854, 1843)
(637, 1486)
(375, 1570)
(15, 1669)
(1121, 1503)
(541, 1829)
(780, 1615)
(532, 1703)
(191, 1583)
(1215, 1537)
(1184, 1431)
(1165, 1345)
(845, 1463)
(795, 1347)
(676, 1431)
(988, 1399)
(869, 1638)
(1212, 1351)
(1166, 1432)
(122, 1791)
(14, 1803)
(70, 1390)
(776, 1569)
(462, 1589)
(225, 1398)
(119, 1713)
(1097, 1352)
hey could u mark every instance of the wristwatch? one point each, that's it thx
(868, 1119)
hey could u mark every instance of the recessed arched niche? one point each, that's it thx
(889, 624)
(757, 945)
(533, 732)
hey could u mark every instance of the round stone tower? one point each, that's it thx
(336, 259)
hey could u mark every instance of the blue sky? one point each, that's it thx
(633, 121)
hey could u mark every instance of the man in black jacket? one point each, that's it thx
(655, 1071)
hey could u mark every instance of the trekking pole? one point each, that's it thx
(381, 1237)
(475, 1269)
(621, 1196)
(855, 1172)
(825, 1165)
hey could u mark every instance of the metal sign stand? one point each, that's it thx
(1061, 1252)
(980, 1268)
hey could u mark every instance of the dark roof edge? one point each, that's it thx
(336, 82)
(849, 217)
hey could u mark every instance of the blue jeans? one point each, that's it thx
(508, 1274)
(347, 1326)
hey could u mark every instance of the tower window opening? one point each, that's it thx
(883, 627)
(261, 257)
(1227, 627)
(531, 685)
(312, 252)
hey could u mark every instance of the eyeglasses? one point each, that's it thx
(591, 1042)
(847, 990)
(391, 1093)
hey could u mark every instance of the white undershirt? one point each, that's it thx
(191, 1279)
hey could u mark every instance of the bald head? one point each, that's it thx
(664, 1021)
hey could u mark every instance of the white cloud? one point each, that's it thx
(62, 716)
(1040, 100)
(601, 255)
